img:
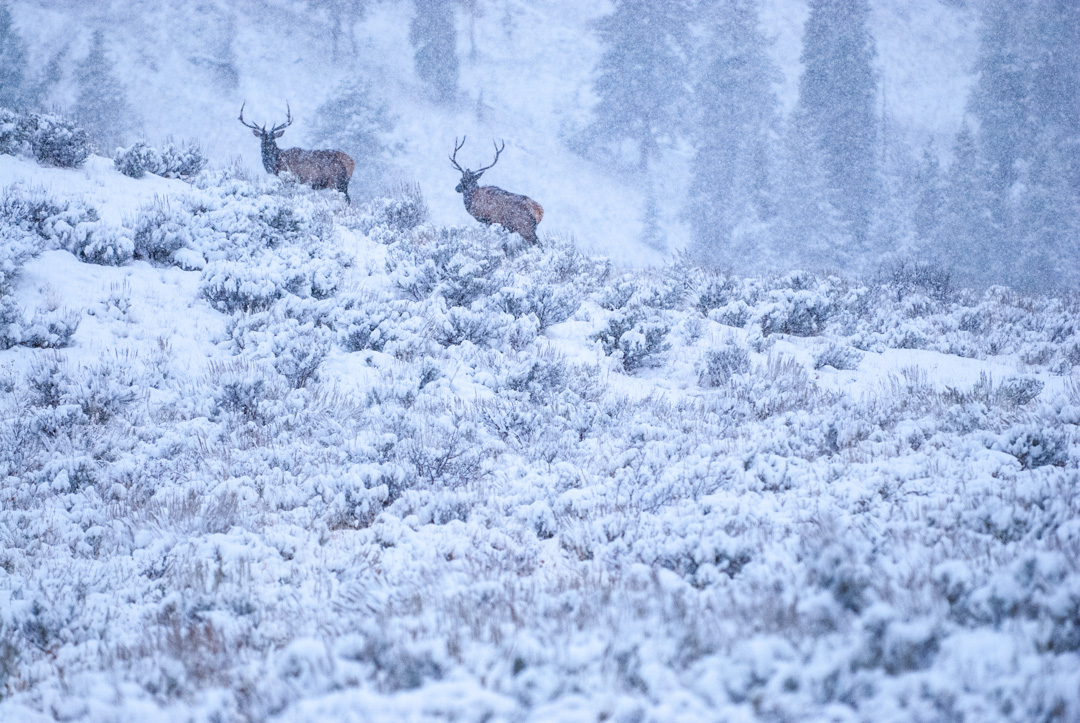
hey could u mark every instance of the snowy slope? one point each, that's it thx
(322, 463)
(526, 73)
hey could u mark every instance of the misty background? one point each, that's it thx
(757, 136)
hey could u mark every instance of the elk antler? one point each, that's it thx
(249, 125)
(457, 147)
(498, 150)
(288, 121)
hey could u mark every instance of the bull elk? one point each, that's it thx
(318, 169)
(490, 204)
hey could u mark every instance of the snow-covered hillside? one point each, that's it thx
(526, 72)
(296, 460)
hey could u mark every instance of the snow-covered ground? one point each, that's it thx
(304, 461)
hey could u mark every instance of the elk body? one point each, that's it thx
(490, 204)
(318, 169)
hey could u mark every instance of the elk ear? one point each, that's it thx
(279, 134)
(256, 132)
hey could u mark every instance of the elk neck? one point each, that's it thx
(271, 155)
(468, 188)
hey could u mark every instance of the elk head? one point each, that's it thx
(490, 204)
(469, 178)
(318, 169)
(271, 154)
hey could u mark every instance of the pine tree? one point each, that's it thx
(999, 102)
(1047, 256)
(342, 16)
(1026, 100)
(641, 76)
(432, 35)
(1056, 85)
(51, 75)
(967, 235)
(731, 193)
(101, 106)
(837, 93)
(929, 189)
(14, 92)
(892, 233)
(809, 229)
(651, 233)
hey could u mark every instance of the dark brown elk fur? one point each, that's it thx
(318, 169)
(490, 204)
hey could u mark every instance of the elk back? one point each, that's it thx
(319, 169)
(520, 214)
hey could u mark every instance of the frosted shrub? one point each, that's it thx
(181, 161)
(1042, 587)
(238, 286)
(459, 324)
(551, 304)
(245, 286)
(96, 243)
(460, 266)
(795, 312)
(638, 338)
(617, 294)
(910, 277)
(298, 350)
(16, 248)
(355, 497)
(540, 375)
(837, 568)
(415, 281)
(43, 330)
(1035, 446)
(402, 209)
(664, 291)
(367, 322)
(275, 223)
(313, 276)
(170, 162)
(1018, 391)
(895, 646)
(46, 379)
(721, 363)
(102, 390)
(62, 400)
(137, 159)
(783, 385)
(448, 449)
(33, 212)
(1011, 393)
(717, 291)
(250, 227)
(56, 141)
(560, 263)
(398, 665)
(160, 232)
(246, 389)
(11, 140)
(838, 356)
(10, 319)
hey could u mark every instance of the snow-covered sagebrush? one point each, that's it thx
(303, 461)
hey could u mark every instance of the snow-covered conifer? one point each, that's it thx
(434, 39)
(641, 79)
(838, 94)
(102, 106)
(732, 194)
